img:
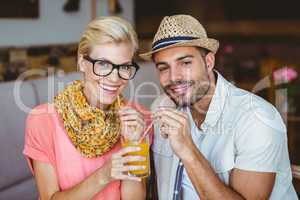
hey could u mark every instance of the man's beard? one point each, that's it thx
(199, 90)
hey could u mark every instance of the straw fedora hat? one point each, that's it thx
(180, 30)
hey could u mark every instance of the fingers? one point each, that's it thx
(164, 135)
(127, 168)
(125, 151)
(170, 120)
(171, 117)
(120, 158)
(124, 160)
(137, 122)
(129, 111)
(120, 164)
(128, 159)
(166, 130)
(128, 177)
(163, 132)
(175, 114)
(170, 110)
(120, 173)
(133, 123)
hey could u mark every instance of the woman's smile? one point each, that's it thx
(109, 89)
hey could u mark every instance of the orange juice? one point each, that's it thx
(143, 152)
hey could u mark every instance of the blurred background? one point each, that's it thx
(259, 51)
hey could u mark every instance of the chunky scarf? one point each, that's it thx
(92, 131)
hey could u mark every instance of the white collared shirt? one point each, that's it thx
(242, 131)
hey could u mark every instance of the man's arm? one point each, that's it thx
(243, 184)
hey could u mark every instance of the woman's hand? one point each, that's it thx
(132, 122)
(119, 168)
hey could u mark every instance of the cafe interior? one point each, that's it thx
(259, 52)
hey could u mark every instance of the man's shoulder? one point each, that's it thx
(246, 105)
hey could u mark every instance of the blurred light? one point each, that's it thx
(285, 75)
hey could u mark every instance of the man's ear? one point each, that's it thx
(81, 63)
(210, 61)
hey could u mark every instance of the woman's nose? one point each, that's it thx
(114, 76)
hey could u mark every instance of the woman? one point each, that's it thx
(73, 145)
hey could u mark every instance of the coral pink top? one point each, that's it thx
(47, 141)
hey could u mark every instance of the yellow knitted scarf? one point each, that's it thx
(92, 131)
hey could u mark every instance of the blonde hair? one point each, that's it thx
(107, 30)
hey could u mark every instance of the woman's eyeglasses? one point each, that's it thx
(104, 68)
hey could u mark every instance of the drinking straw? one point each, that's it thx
(146, 132)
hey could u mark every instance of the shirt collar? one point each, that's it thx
(217, 103)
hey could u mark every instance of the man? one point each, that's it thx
(213, 140)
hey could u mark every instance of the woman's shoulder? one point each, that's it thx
(41, 113)
(41, 126)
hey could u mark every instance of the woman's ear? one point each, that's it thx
(210, 61)
(81, 63)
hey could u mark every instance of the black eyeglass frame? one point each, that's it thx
(115, 66)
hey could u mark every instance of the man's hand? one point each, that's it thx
(175, 125)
